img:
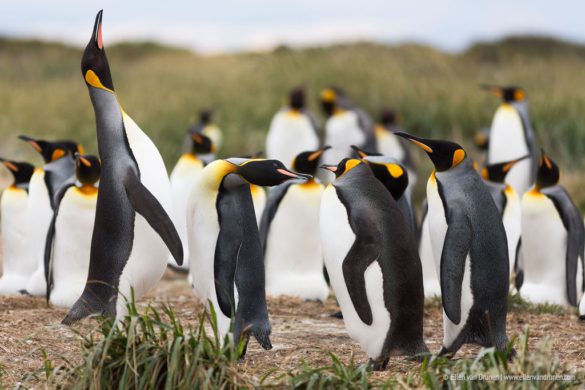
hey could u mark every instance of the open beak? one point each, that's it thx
(314, 156)
(331, 168)
(418, 141)
(96, 36)
(33, 142)
(494, 90)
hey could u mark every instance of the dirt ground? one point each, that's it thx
(301, 331)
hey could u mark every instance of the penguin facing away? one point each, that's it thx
(293, 129)
(182, 178)
(17, 263)
(289, 232)
(511, 137)
(224, 245)
(469, 240)
(44, 184)
(132, 229)
(372, 262)
(207, 128)
(553, 240)
(68, 243)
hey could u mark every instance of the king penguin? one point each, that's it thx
(224, 245)
(17, 264)
(346, 125)
(293, 129)
(182, 178)
(289, 232)
(132, 227)
(469, 243)
(68, 243)
(511, 137)
(553, 237)
(372, 262)
(44, 184)
(508, 204)
(205, 127)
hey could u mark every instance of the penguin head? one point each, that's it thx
(94, 63)
(296, 98)
(329, 100)
(389, 171)
(548, 173)
(481, 139)
(388, 117)
(508, 94)
(21, 171)
(308, 162)
(262, 172)
(205, 116)
(88, 168)
(444, 154)
(497, 172)
(52, 150)
(202, 144)
(344, 166)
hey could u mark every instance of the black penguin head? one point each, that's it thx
(52, 150)
(88, 168)
(444, 154)
(296, 98)
(548, 173)
(263, 172)
(308, 162)
(201, 144)
(329, 100)
(205, 117)
(388, 117)
(362, 153)
(497, 172)
(21, 171)
(94, 63)
(481, 139)
(507, 94)
(344, 166)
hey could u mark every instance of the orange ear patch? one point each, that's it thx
(57, 154)
(458, 156)
(395, 170)
(197, 138)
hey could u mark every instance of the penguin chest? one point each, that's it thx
(293, 255)
(259, 201)
(429, 270)
(39, 214)
(337, 238)
(544, 246)
(290, 134)
(71, 246)
(388, 144)
(13, 206)
(341, 131)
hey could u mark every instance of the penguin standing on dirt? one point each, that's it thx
(508, 203)
(17, 264)
(132, 229)
(289, 232)
(224, 245)
(469, 241)
(553, 240)
(68, 241)
(346, 125)
(293, 129)
(182, 178)
(511, 137)
(372, 262)
(44, 184)
(205, 127)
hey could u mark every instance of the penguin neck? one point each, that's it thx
(215, 172)
(109, 122)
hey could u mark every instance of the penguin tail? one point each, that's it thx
(79, 311)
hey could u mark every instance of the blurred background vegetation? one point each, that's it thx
(42, 92)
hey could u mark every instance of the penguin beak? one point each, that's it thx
(293, 175)
(96, 36)
(544, 160)
(197, 138)
(83, 160)
(494, 90)
(33, 142)
(314, 156)
(9, 165)
(418, 141)
(330, 168)
(511, 164)
(359, 152)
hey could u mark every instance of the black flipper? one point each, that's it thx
(50, 237)
(519, 267)
(575, 236)
(455, 250)
(275, 195)
(148, 206)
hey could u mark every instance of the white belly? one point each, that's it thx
(341, 131)
(259, 201)
(438, 229)
(289, 135)
(544, 245)
(39, 219)
(511, 219)
(149, 256)
(431, 283)
(389, 145)
(508, 142)
(182, 180)
(71, 246)
(17, 262)
(337, 238)
(293, 256)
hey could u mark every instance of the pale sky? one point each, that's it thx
(213, 26)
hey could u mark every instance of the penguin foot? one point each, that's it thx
(582, 317)
(24, 292)
(380, 363)
(77, 312)
(444, 352)
(337, 314)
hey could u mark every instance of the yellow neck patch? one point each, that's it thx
(92, 79)
(350, 164)
(458, 156)
(87, 190)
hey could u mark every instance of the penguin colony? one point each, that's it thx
(88, 231)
